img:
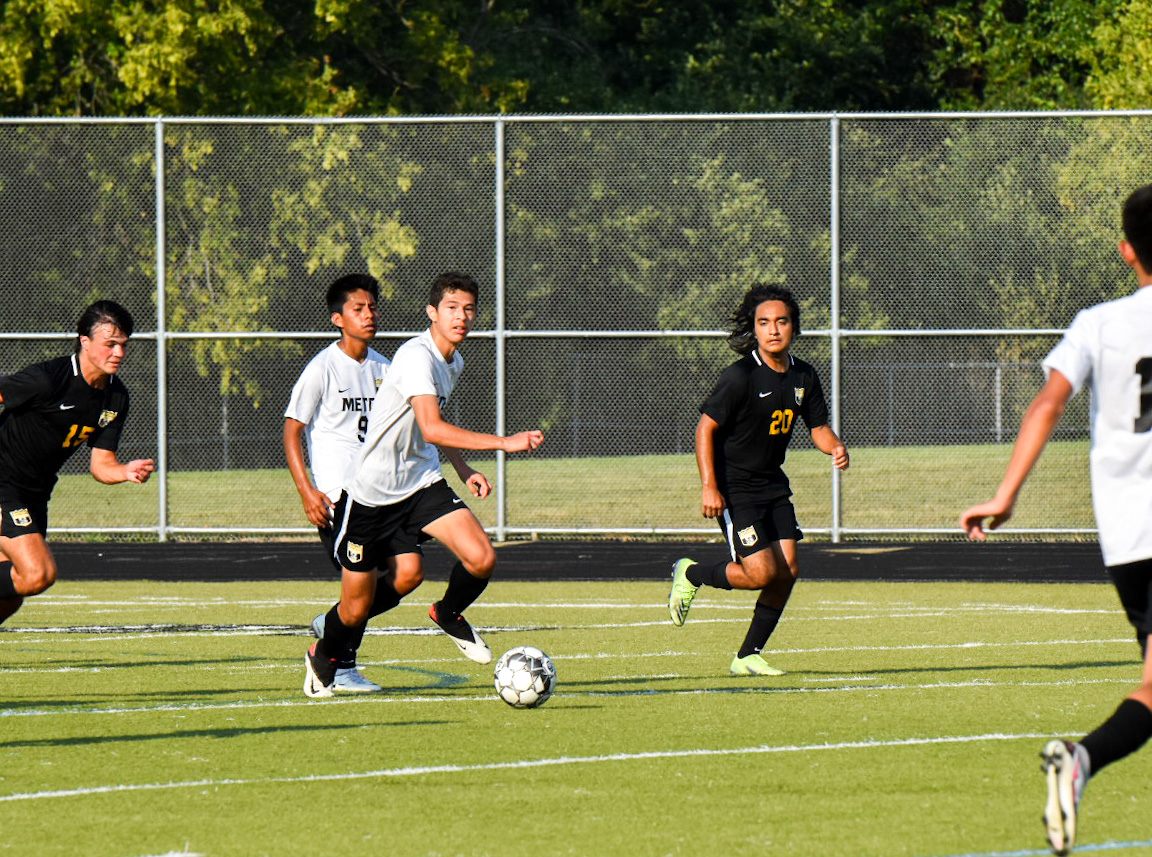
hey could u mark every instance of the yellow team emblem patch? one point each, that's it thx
(747, 536)
(106, 417)
(21, 517)
(355, 552)
(798, 392)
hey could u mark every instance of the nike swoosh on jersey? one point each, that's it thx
(765, 395)
(67, 407)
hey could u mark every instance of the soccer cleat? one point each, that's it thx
(350, 681)
(1066, 781)
(318, 627)
(752, 665)
(461, 633)
(682, 592)
(319, 674)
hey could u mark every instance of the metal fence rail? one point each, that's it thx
(937, 258)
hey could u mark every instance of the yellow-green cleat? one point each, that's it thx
(683, 591)
(752, 665)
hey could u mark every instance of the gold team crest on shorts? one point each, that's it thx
(21, 517)
(798, 392)
(106, 417)
(747, 536)
(355, 552)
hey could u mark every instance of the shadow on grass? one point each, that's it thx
(88, 740)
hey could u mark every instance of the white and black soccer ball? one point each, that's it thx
(525, 677)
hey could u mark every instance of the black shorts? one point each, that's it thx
(751, 528)
(1134, 586)
(368, 535)
(21, 514)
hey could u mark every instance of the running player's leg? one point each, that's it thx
(28, 568)
(462, 533)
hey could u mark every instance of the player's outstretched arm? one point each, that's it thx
(828, 443)
(1035, 429)
(105, 468)
(444, 434)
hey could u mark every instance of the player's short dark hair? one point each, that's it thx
(742, 335)
(103, 312)
(1137, 221)
(452, 281)
(338, 293)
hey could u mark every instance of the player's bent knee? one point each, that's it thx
(34, 581)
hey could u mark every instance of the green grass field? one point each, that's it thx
(167, 719)
(917, 487)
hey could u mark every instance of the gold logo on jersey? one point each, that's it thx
(379, 381)
(107, 417)
(21, 517)
(747, 536)
(798, 392)
(355, 552)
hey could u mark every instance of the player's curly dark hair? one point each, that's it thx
(452, 281)
(103, 312)
(742, 336)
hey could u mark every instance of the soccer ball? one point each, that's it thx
(525, 677)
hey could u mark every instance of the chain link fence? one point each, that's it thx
(936, 257)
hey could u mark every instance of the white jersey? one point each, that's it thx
(1110, 345)
(396, 461)
(333, 397)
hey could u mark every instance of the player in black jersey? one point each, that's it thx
(50, 409)
(744, 429)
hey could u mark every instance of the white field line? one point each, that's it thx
(623, 656)
(523, 764)
(491, 699)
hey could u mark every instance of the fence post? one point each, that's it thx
(834, 306)
(161, 342)
(501, 404)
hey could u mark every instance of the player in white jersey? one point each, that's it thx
(397, 496)
(329, 408)
(1108, 347)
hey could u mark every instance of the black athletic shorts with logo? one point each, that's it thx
(328, 533)
(21, 513)
(368, 535)
(750, 528)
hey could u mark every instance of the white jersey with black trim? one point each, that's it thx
(1110, 346)
(333, 397)
(396, 461)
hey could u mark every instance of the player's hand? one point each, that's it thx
(478, 484)
(139, 470)
(524, 441)
(712, 502)
(317, 506)
(840, 457)
(972, 520)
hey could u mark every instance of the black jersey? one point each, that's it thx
(49, 411)
(756, 408)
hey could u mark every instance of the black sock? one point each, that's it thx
(463, 589)
(386, 598)
(764, 622)
(1121, 734)
(715, 575)
(7, 584)
(335, 644)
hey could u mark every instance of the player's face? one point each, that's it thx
(105, 349)
(773, 327)
(358, 317)
(454, 316)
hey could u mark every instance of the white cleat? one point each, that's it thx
(1066, 781)
(464, 636)
(350, 681)
(318, 627)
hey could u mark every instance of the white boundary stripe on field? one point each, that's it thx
(522, 765)
(488, 698)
